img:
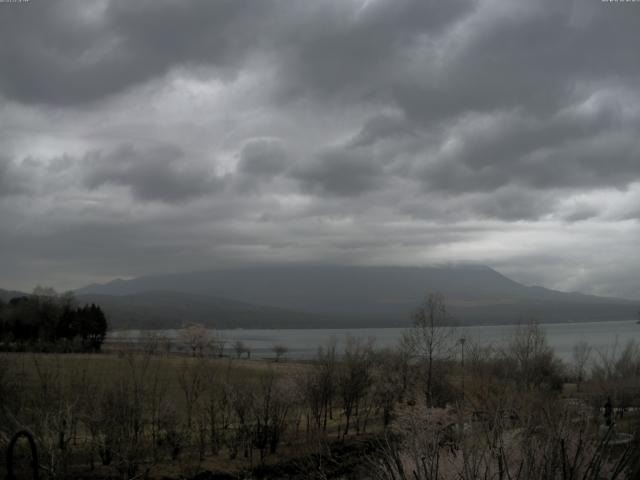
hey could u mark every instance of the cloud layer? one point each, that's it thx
(164, 135)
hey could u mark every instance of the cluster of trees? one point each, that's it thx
(47, 320)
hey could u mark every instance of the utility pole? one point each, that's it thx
(462, 342)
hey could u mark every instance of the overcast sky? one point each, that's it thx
(163, 136)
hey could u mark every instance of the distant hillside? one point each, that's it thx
(6, 295)
(278, 297)
(166, 309)
(170, 309)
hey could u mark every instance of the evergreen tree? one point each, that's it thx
(48, 317)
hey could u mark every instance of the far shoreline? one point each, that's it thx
(383, 327)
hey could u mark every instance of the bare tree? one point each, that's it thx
(279, 351)
(405, 371)
(165, 342)
(55, 414)
(616, 373)
(242, 398)
(581, 356)
(354, 377)
(191, 378)
(327, 361)
(157, 404)
(218, 343)
(11, 394)
(196, 337)
(239, 347)
(121, 427)
(390, 383)
(317, 387)
(533, 362)
(270, 409)
(432, 336)
(150, 343)
(217, 409)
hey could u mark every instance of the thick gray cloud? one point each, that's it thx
(157, 173)
(353, 49)
(344, 172)
(166, 135)
(263, 157)
(381, 127)
(72, 51)
(11, 181)
(539, 57)
(585, 149)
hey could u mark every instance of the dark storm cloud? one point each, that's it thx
(507, 204)
(155, 173)
(13, 180)
(338, 49)
(263, 157)
(73, 51)
(437, 60)
(382, 127)
(581, 214)
(512, 204)
(341, 171)
(89, 50)
(591, 150)
(6, 182)
(537, 58)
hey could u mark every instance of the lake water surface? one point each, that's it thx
(303, 343)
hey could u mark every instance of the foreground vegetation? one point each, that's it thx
(435, 407)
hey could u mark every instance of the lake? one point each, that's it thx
(303, 343)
